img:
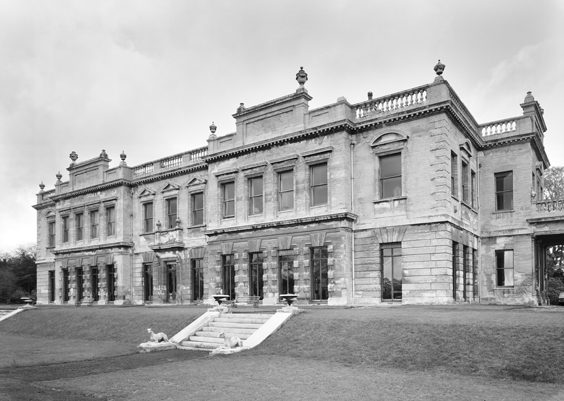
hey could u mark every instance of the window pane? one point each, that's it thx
(391, 187)
(508, 277)
(286, 181)
(197, 201)
(286, 200)
(319, 174)
(390, 166)
(508, 259)
(319, 195)
(229, 191)
(256, 186)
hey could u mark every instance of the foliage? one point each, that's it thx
(554, 183)
(554, 288)
(18, 275)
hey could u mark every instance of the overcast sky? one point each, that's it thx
(149, 77)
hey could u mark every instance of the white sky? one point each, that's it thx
(148, 77)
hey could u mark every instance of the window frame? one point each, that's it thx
(382, 179)
(171, 217)
(194, 212)
(504, 269)
(110, 212)
(65, 229)
(454, 175)
(225, 202)
(473, 189)
(148, 222)
(94, 223)
(51, 233)
(503, 192)
(253, 198)
(282, 192)
(465, 180)
(79, 226)
(313, 186)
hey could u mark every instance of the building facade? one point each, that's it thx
(402, 198)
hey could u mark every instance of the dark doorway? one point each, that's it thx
(286, 274)
(319, 274)
(455, 268)
(51, 286)
(228, 276)
(255, 274)
(170, 282)
(79, 284)
(147, 282)
(65, 285)
(197, 279)
(94, 281)
(110, 282)
(390, 257)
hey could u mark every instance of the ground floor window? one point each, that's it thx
(255, 274)
(465, 270)
(319, 274)
(197, 279)
(170, 282)
(147, 282)
(286, 274)
(504, 267)
(51, 286)
(474, 273)
(390, 258)
(455, 268)
(65, 285)
(110, 282)
(79, 284)
(94, 281)
(228, 276)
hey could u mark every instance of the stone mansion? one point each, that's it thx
(401, 198)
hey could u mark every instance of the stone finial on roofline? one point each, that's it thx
(122, 156)
(301, 77)
(41, 186)
(439, 68)
(73, 156)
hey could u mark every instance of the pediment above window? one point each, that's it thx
(466, 149)
(195, 182)
(146, 192)
(389, 141)
(170, 187)
(196, 185)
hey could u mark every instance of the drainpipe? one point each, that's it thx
(352, 211)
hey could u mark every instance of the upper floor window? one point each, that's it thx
(78, 223)
(318, 184)
(286, 190)
(473, 189)
(197, 201)
(504, 190)
(454, 174)
(255, 195)
(465, 183)
(390, 176)
(148, 217)
(65, 228)
(504, 267)
(228, 199)
(171, 212)
(51, 234)
(110, 221)
(94, 224)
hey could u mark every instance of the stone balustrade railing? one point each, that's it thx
(170, 162)
(498, 127)
(556, 205)
(391, 103)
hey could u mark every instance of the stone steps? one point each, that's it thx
(209, 336)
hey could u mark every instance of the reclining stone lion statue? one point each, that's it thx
(157, 337)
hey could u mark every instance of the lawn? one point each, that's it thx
(463, 352)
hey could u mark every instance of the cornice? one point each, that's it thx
(168, 174)
(99, 187)
(346, 124)
(120, 244)
(284, 223)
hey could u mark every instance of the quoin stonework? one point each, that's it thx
(399, 198)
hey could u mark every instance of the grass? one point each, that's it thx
(481, 342)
